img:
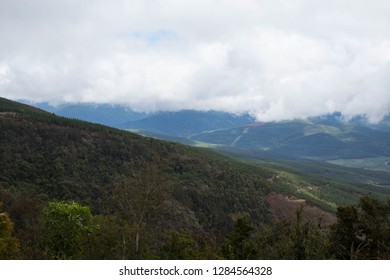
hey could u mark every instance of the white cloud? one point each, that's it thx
(276, 59)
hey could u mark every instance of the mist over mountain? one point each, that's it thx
(107, 114)
(317, 138)
(265, 109)
(274, 60)
(186, 123)
(324, 137)
(181, 123)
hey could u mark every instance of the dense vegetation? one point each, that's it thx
(135, 186)
(320, 183)
(75, 190)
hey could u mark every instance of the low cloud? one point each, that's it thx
(275, 59)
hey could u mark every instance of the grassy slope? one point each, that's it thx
(305, 139)
(285, 148)
(323, 184)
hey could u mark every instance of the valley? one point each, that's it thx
(376, 163)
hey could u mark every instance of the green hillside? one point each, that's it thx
(47, 158)
(76, 190)
(305, 139)
(323, 184)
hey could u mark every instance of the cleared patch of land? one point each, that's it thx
(285, 207)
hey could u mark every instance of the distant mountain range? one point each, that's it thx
(328, 137)
(187, 122)
(106, 114)
(182, 123)
(313, 138)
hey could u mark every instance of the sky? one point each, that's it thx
(276, 59)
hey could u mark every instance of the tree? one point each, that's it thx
(105, 243)
(238, 244)
(26, 211)
(375, 225)
(65, 225)
(300, 234)
(345, 243)
(180, 246)
(300, 239)
(9, 245)
(362, 231)
(275, 241)
(137, 199)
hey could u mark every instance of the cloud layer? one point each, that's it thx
(275, 59)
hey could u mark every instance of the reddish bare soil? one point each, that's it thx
(284, 207)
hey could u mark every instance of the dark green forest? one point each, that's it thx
(75, 190)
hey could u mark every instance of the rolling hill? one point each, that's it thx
(326, 138)
(180, 124)
(305, 139)
(186, 123)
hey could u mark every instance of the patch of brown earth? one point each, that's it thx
(284, 208)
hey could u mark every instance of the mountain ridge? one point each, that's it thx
(305, 139)
(185, 123)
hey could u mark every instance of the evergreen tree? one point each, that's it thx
(239, 244)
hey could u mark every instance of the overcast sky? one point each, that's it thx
(277, 59)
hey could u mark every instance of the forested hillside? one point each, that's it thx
(46, 158)
(76, 190)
